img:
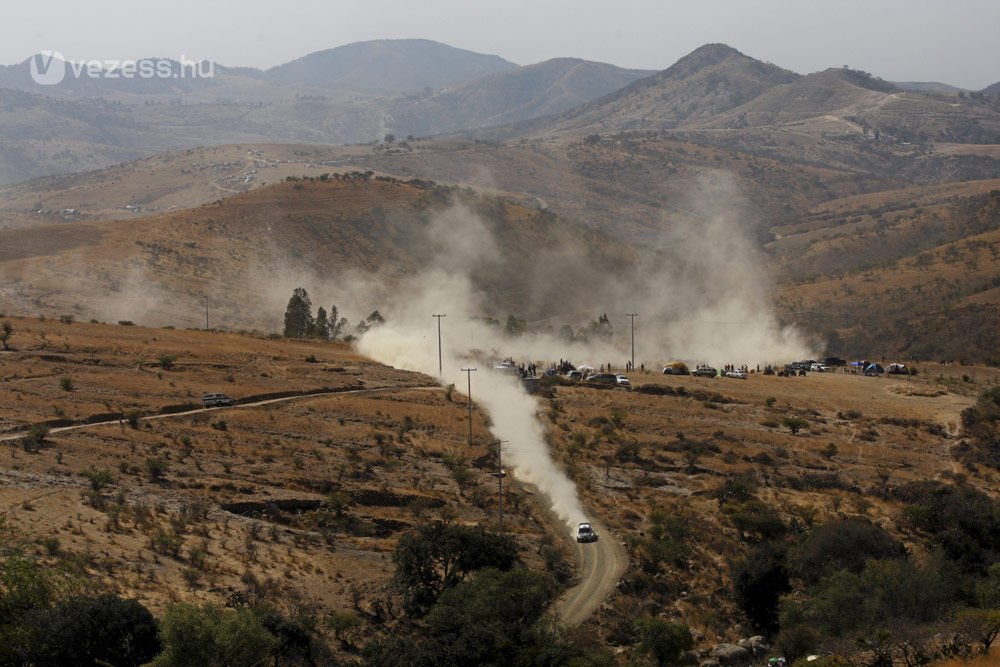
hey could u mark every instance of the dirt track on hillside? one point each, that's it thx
(601, 564)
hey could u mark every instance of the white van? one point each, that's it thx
(215, 400)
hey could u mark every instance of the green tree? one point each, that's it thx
(298, 315)
(493, 618)
(439, 556)
(208, 636)
(794, 424)
(103, 630)
(759, 581)
(337, 326)
(842, 544)
(322, 326)
(664, 642)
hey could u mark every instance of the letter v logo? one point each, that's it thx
(48, 68)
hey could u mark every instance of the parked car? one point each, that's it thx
(705, 372)
(737, 373)
(215, 400)
(603, 379)
(835, 361)
(574, 375)
(623, 381)
(819, 368)
(585, 533)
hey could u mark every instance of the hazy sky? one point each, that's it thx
(956, 41)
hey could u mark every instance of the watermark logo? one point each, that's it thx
(49, 68)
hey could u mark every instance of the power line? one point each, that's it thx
(468, 372)
(440, 362)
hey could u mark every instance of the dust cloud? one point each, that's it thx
(701, 295)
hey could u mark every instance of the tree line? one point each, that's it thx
(325, 325)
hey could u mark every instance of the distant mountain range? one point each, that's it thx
(361, 92)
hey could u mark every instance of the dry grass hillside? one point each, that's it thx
(301, 501)
(912, 273)
(253, 249)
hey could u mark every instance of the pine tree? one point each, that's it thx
(322, 324)
(298, 315)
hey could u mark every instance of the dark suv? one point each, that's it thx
(603, 379)
(705, 372)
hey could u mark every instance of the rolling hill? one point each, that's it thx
(255, 247)
(710, 80)
(388, 67)
(510, 96)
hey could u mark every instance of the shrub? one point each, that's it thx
(66, 384)
(794, 424)
(665, 642)
(203, 636)
(103, 630)
(438, 556)
(842, 544)
(35, 439)
(156, 468)
(98, 478)
(759, 581)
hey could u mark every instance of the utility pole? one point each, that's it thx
(500, 474)
(468, 372)
(206, 312)
(440, 371)
(632, 317)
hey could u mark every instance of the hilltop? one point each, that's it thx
(257, 246)
(388, 67)
(360, 93)
(510, 96)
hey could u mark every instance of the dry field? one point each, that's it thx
(635, 455)
(302, 500)
(299, 500)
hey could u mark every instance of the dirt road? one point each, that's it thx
(283, 399)
(601, 564)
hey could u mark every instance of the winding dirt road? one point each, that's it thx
(601, 564)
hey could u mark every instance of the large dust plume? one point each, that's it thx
(702, 295)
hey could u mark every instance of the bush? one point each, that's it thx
(842, 544)
(101, 630)
(35, 439)
(665, 642)
(66, 384)
(98, 478)
(156, 468)
(759, 581)
(205, 636)
(439, 556)
(166, 361)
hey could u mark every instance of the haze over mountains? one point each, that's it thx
(361, 92)
(635, 158)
